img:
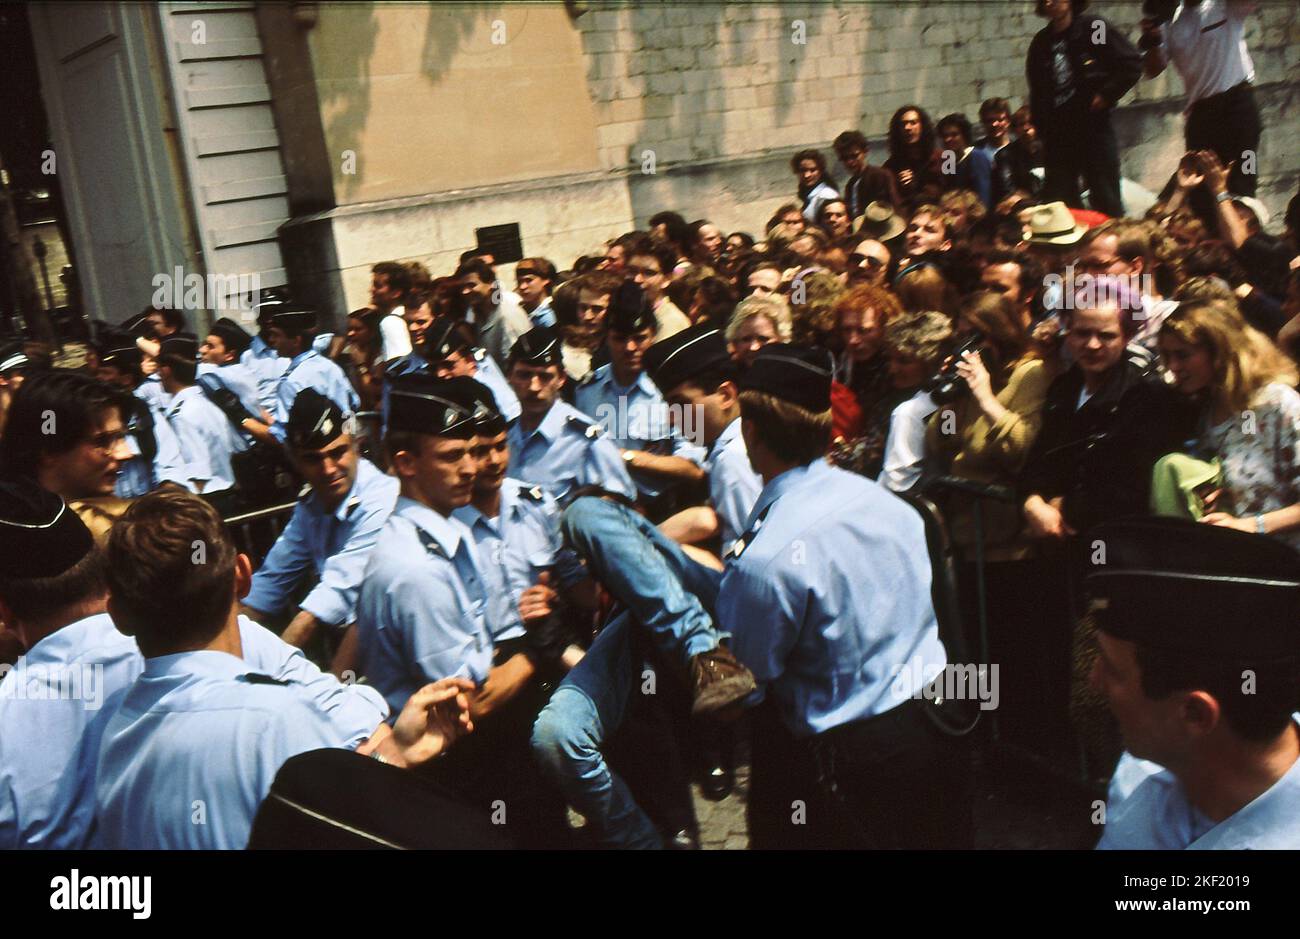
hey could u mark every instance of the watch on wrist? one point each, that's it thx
(1260, 527)
(629, 456)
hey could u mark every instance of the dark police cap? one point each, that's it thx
(539, 346)
(236, 338)
(630, 311)
(1195, 589)
(444, 338)
(684, 355)
(314, 421)
(121, 352)
(12, 357)
(181, 346)
(292, 319)
(424, 404)
(39, 535)
(799, 375)
(482, 403)
(138, 325)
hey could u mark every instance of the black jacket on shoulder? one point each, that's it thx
(1109, 68)
(1099, 457)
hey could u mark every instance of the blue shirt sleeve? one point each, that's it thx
(288, 561)
(606, 468)
(334, 599)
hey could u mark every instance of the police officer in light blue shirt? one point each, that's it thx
(290, 331)
(207, 438)
(422, 610)
(75, 662)
(156, 451)
(265, 364)
(447, 352)
(552, 444)
(827, 600)
(188, 756)
(333, 528)
(516, 528)
(221, 368)
(1207, 709)
(627, 404)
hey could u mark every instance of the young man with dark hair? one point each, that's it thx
(533, 280)
(66, 432)
(971, 168)
(650, 267)
(164, 322)
(866, 183)
(995, 115)
(1014, 164)
(389, 284)
(207, 438)
(1016, 277)
(552, 444)
(625, 401)
(1210, 709)
(496, 313)
(261, 359)
(1078, 67)
(173, 740)
(333, 528)
(220, 365)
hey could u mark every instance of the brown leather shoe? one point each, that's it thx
(718, 681)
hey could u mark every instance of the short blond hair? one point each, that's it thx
(773, 307)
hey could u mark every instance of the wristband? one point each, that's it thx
(1260, 527)
(1224, 196)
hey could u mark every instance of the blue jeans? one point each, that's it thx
(665, 591)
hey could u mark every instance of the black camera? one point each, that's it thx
(947, 386)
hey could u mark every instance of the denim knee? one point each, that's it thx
(564, 738)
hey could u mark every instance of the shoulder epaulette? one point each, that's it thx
(304, 493)
(257, 678)
(430, 543)
(533, 493)
(590, 428)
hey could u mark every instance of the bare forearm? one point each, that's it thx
(673, 467)
(300, 629)
(691, 526)
(502, 684)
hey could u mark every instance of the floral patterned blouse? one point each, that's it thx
(1260, 457)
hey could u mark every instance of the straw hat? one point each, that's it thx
(1052, 224)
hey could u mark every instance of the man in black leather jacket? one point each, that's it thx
(1078, 68)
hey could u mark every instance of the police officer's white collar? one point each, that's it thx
(68, 643)
(445, 531)
(783, 484)
(553, 423)
(193, 391)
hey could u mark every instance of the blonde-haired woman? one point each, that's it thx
(1250, 417)
(756, 322)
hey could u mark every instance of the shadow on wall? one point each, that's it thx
(345, 94)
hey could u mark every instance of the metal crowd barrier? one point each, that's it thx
(255, 532)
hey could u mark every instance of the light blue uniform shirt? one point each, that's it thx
(334, 545)
(207, 440)
(191, 752)
(1147, 809)
(422, 613)
(53, 776)
(827, 599)
(310, 369)
(515, 548)
(236, 378)
(46, 703)
(544, 315)
(635, 417)
(151, 390)
(733, 484)
(567, 450)
(267, 368)
(137, 476)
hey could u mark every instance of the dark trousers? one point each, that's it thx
(1081, 143)
(1228, 123)
(893, 781)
